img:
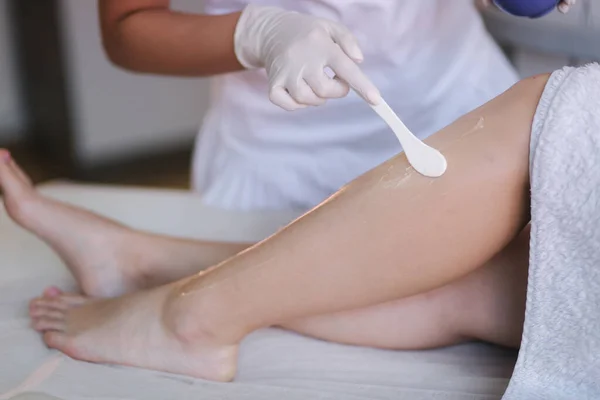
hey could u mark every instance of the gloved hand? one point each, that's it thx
(295, 49)
(564, 6)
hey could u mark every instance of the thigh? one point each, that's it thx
(494, 297)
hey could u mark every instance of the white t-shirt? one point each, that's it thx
(432, 60)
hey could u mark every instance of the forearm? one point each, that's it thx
(157, 40)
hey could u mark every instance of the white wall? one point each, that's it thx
(118, 113)
(11, 113)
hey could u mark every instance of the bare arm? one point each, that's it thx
(146, 36)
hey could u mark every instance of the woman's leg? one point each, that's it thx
(389, 234)
(144, 260)
(487, 304)
(137, 260)
(107, 258)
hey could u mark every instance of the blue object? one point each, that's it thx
(527, 8)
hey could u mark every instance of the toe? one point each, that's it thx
(8, 177)
(39, 312)
(56, 340)
(44, 324)
(18, 193)
(33, 303)
(55, 303)
(61, 302)
(52, 291)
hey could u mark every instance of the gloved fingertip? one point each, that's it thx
(298, 107)
(347, 42)
(353, 51)
(357, 55)
(373, 97)
(564, 8)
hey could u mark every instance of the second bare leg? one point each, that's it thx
(487, 305)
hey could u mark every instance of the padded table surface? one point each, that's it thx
(274, 364)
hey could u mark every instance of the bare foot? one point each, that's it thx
(103, 255)
(131, 331)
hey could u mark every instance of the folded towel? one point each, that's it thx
(560, 351)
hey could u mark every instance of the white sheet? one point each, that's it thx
(273, 364)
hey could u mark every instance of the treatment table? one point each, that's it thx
(274, 364)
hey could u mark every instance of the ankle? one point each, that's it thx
(198, 315)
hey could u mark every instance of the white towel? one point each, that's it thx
(560, 351)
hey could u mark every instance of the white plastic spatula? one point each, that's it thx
(424, 159)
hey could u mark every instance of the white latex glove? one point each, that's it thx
(295, 49)
(565, 5)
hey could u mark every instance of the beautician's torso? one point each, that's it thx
(431, 59)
